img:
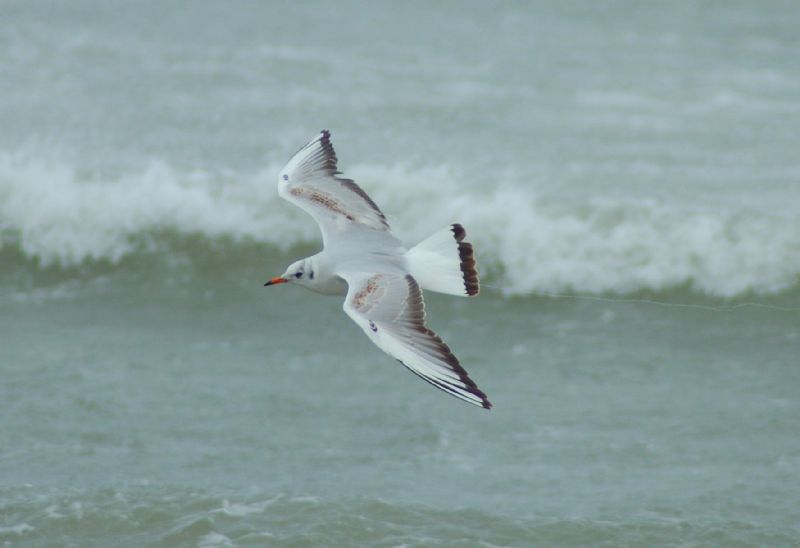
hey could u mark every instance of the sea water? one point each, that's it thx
(627, 172)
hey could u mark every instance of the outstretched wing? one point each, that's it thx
(390, 310)
(310, 181)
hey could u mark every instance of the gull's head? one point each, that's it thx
(299, 272)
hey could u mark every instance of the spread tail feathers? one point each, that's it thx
(445, 263)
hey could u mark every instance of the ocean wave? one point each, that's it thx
(174, 516)
(57, 216)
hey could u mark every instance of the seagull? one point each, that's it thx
(381, 279)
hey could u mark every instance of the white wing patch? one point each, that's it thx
(390, 310)
(310, 180)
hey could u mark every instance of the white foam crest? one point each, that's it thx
(543, 244)
(60, 217)
(534, 243)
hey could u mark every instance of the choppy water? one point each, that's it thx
(153, 393)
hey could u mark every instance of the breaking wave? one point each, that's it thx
(57, 216)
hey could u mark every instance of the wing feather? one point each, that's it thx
(391, 311)
(311, 181)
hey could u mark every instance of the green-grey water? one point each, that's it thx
(638, 161)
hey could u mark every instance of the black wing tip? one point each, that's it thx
(471, 389)
(475, 391)
(466, 254)
(485, 403)
(329, 160)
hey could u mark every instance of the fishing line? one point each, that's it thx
(717, 308)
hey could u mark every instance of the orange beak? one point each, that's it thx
(275, 281)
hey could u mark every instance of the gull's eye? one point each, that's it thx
(298, 274)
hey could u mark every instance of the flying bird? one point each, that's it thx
(381, 279)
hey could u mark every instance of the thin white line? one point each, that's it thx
(720, 308)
